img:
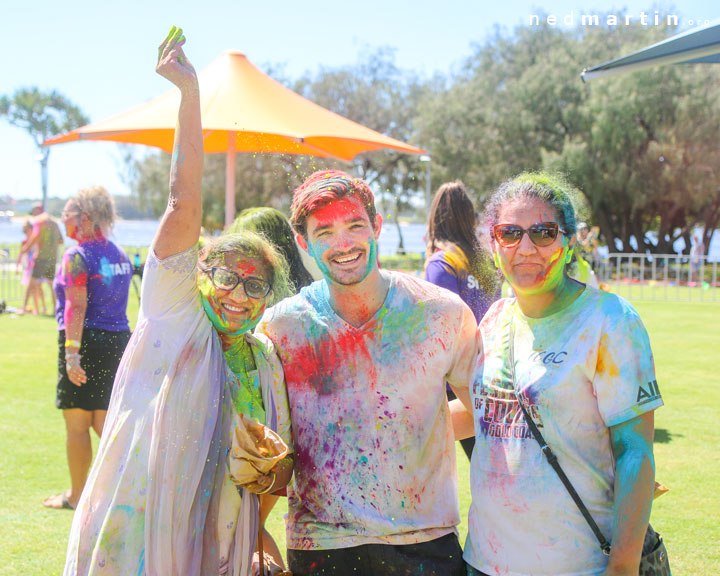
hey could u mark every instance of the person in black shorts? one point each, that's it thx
(92, 288)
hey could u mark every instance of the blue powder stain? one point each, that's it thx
(106, 271)
(141, 569)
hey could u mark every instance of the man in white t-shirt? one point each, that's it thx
(366, 355)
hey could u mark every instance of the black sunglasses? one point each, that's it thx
(224, 279)
(543, 234)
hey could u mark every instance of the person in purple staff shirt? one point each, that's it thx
(91, 289)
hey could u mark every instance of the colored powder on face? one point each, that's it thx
(220, 322)
(550, 279)
(316, 251)
(372, 256)
(339, 215)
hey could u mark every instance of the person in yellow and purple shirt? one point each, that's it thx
(456, 260)
(366, 355)
(579, 360)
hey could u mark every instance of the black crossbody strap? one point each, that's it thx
(549, 454)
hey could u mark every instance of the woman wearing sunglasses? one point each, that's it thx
(159, 499)
(579, 361)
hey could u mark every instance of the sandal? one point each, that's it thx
(64, 502)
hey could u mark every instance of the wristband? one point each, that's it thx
(71, 343)
(274, 477)
(70, 358)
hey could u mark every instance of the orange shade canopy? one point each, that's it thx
(241, 103)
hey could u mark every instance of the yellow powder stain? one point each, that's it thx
(605, 362)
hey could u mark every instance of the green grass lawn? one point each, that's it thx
(685, 339)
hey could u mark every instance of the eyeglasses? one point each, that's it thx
(224, 279)
(543, 234)
(67, 214)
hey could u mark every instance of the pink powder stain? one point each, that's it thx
(307, 367)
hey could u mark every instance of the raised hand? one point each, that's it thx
(180, 228)
(172, 62)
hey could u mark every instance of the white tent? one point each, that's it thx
(698, 46)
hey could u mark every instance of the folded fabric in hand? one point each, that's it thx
(254, 452)
(660, 489)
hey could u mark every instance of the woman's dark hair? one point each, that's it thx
(452, 220)
(275, 227)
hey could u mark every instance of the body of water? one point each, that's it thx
(141, 232)
(125, 232)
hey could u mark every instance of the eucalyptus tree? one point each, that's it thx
(42, 115)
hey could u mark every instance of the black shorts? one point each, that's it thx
(101, 352)
(44, 269)
(440, 557)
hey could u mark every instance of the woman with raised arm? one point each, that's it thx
(160, 499)
(572, 364)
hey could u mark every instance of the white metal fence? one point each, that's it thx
(669, 277)
(11, 289)
(12, 292)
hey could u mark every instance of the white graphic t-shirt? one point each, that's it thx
(579, 372)
(374, 445)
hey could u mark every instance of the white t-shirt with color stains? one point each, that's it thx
(579, 371)
(374, 446)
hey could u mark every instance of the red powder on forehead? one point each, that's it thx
(244, 267)
(324, 187)
(347, 208)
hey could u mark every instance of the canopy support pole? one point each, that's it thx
(230, 181)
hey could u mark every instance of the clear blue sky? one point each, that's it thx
(101, 55)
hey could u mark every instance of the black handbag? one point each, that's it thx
(654, 560)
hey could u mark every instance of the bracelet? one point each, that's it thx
(72, 343)
(274, 477)
(69, 358)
